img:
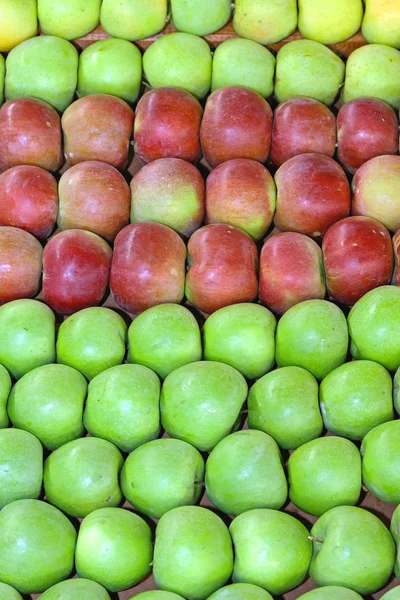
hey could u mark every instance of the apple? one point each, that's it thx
(351, 548)
(98, 127)
(260, 534)
(18, 23)
(265, 22)
(312, 194)
(30, 134)
(179, 60)
(148, 267)
(164, 338)
(237, 123)
(201, 402)
(69, 19)
(331, 592)
(380, 452)
(284, 404)
(241, 192)
(200, 18)
(243, 336)
(20, 264)
(48, 401)
(302, 125)
(2, 77)
(92, 340)
(329, 23)
(161, 475)
(396, 249)
(393, 594)
(27, 336)
(110, 66)
(358, 257)
(114, 548)
(123, 406)
(396, 391)
(169, 191)
(381, 23)
(5, 388)
(73, 588)
(395, 531)
(240, 591)
(9, 593)
(157, 595)
(367, 127)
(38, 545)
(167, 125)
(82, 476)
(291, 271)
(193, 552)
(313, 335)
(134, 19)
(45, 67)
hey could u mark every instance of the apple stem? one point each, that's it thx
(364, 489)
(244, 412)
(315, 539)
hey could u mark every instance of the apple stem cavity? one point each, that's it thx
(315, 539)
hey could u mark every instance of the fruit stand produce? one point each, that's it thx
(199, 299)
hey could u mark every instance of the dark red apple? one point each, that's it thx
(237, 123)
(396, 249)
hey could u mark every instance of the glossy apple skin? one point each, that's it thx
(29, 200)
(237, 123)
(20, 264)
(167, 125)
(302, 125)
(76, 267)
(30, 134)
(312, 194)
(223, 267)
(291, 270)
(94, 196)
(148, 267)
(367, 127)
(98, 127)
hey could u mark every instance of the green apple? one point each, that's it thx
(243, 336)
(37, 545)
(331, 592)
(161, 475)
(27, 336)
(374, 327)
(2, 77)
(244, 471)
(265, 22)
(68, 19)
(45, 67)
(393, 594)
(201, 402)
(9, 593)
(313, 335)
(356, 397)
(110, 66)
(308, 68)
(82, 476)
(74, 589)
(284, 404)
(329, 22)
(200, 17)
(157, 595)
(324, 473)
(114, 548)
(134, 19)
(193, 553)
(5, 388)
(351, 548)
(241, 591)
(380, 450)
(373, 70)
(395, 531)
(123, 406)
(18, 22)
(396, 390)
(381, 23)
(164, 338)
(179, 60)
(92, 340)
(272, 550)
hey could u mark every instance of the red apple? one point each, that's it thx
(396, 248)
(291, 270)
(167, 125)
(241, 192)
(29, 200)
(302, 125)
(358, 257)
(20, 264)
(94, 196)
(98, 127)
(148, 267)
(223, 267)
(312, 194)
(30, 134)
(367, 127)
(76, 267)
(237, 123)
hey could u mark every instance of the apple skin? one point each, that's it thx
(5, 388)
(265, 22)
(2, 78)
(237, 123)
(223, 267)
(157, 595)
(69, 19)
(331, 592)
(380, 451)
(30, 134)
(202, 18)
(76, 267)
(240, 591)
(393, 594)
(32, 558)
(312, 194)
(18, 23)
(241, 192)
(381, 25)
(395, 531)
(193, 552)
(330, 23)
(9, 593)
(291, 271)
(167, 125)
(93, 196)
(73, 588)
(396, 391)
(302, 125)
(98, 127)
(134, 19)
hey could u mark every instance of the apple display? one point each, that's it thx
(9, 593)
(240, 591)
(73, 588)
(331, 592)
(200, 18)
(329, 22)
(265, 22)
(381, 24)
(18, 23)
(380, 451)
(134, 19)
(69, 19)
(5, 388)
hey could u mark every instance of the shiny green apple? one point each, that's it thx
(329, 22)
(200, 18)
(265, 22)
(331, 592)
(134, 19)
(69, 19)
(5, 388)
(240, 591)
(380, 450)
(9, 593)
(395, 531)
(396, 390)
(76, 589)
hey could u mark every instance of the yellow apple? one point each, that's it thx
(18, 22)
(264, 21)
(329, 22)
(381, 24)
